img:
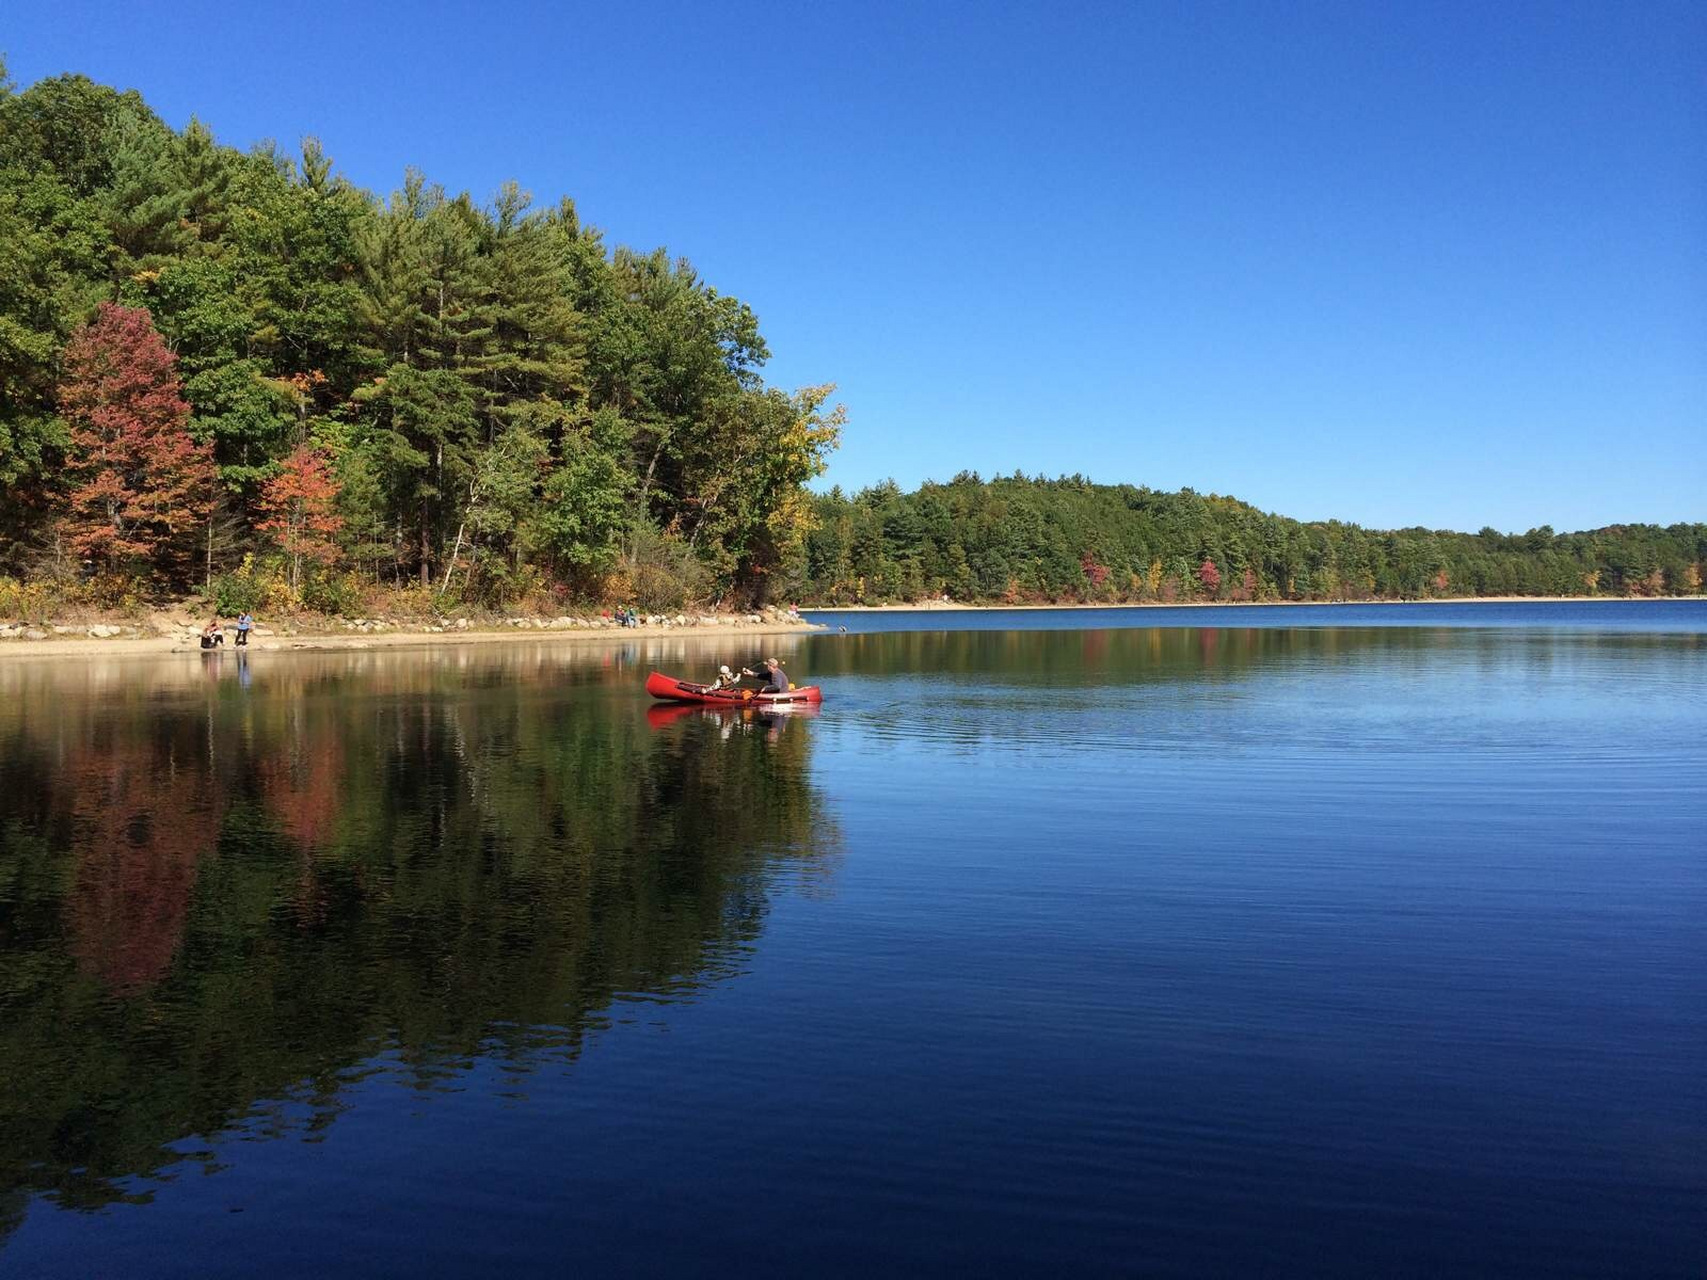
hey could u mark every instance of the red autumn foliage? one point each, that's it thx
(141, 486)
(1209, 576)
(298, 503)
(304, 791)
(1097, 573)
(144, 828)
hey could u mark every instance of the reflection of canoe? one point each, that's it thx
(673, 690)
(666, 713)
(658, 715)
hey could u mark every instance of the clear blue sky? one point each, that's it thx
(1430, 263)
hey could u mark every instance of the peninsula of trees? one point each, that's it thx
(219, 365)
(235, 373)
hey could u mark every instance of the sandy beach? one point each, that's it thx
(83, 646)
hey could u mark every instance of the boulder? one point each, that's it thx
(34, 633)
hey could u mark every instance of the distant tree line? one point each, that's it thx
(1017, 539)
(218, 363)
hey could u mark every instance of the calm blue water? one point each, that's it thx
(1152, 950)
(1676, 616)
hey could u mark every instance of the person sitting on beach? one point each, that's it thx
(212, 636)
(244, 622)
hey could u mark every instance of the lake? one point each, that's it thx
(1249, 941)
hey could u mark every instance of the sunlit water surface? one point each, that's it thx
(1232, 949)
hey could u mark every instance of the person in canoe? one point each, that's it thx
(727, 679)
(776, 680)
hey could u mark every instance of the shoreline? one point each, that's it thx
(953, 606)
(85, 646)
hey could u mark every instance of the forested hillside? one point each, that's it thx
(1021, 540)
(236, 366)
(234, 372)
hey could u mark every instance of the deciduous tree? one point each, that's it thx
(1209, 576)
(299, 505)
(142, 488)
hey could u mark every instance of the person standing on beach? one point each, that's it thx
(244, 622)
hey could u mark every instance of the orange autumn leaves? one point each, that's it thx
(299, 512)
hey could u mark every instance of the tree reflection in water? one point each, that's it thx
(217, 891)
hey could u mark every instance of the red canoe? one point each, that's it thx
(673, 690)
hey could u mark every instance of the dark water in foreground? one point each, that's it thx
(1307, 951)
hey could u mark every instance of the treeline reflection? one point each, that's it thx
(225, 882)
(1099, 656)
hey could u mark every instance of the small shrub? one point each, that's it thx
(663, 575)
(333, 594)
(28, 601)
(233, 593)
(252, 586)
(416, 601)
(114, 592)
(525, 590)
